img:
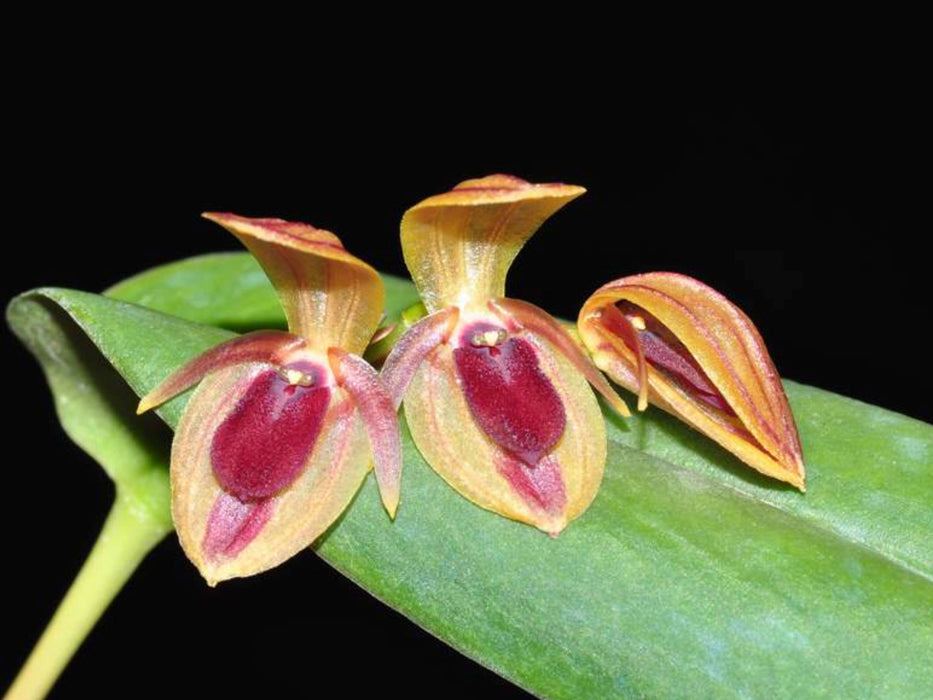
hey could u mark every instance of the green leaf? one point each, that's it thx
(91, 399)
(689, 575)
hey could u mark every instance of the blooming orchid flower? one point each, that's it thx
(686, 348)
(282, 428)
(495, 390)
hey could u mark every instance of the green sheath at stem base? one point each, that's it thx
(127, 536)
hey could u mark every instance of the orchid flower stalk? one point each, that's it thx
(283, 427)
(495, 390)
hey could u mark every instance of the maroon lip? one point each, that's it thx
(263, 444)
(511, 399)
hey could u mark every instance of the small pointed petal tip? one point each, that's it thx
(618, 404)
(797, 473)
(379, 415)
(390, 496)
(390, 504)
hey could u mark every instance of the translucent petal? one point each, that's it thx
(261, 346)
(380, 418)
(413, 347)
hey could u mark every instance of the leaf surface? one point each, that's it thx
(688, 576)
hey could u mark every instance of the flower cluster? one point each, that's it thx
(284, 426)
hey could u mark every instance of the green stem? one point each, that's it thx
(378, 351)
(128, 535)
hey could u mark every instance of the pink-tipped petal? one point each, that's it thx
(538, 321)
(615, 326)
(382, 332)
(402, 363)
(378, 413)
(261, 346)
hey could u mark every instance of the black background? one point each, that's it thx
(798, 204)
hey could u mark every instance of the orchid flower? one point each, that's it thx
(495, 390)
(283, 427)
(687, 349)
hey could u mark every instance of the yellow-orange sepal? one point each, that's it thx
(459, 245)
(330, 297)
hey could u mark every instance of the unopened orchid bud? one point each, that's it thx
(684, 347)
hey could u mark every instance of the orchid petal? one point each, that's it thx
(459, 245)
(402, 363)
(616, 328)
(714, 372)
(378, 413)
(260, 346)
(330, 297)
(538, 321)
